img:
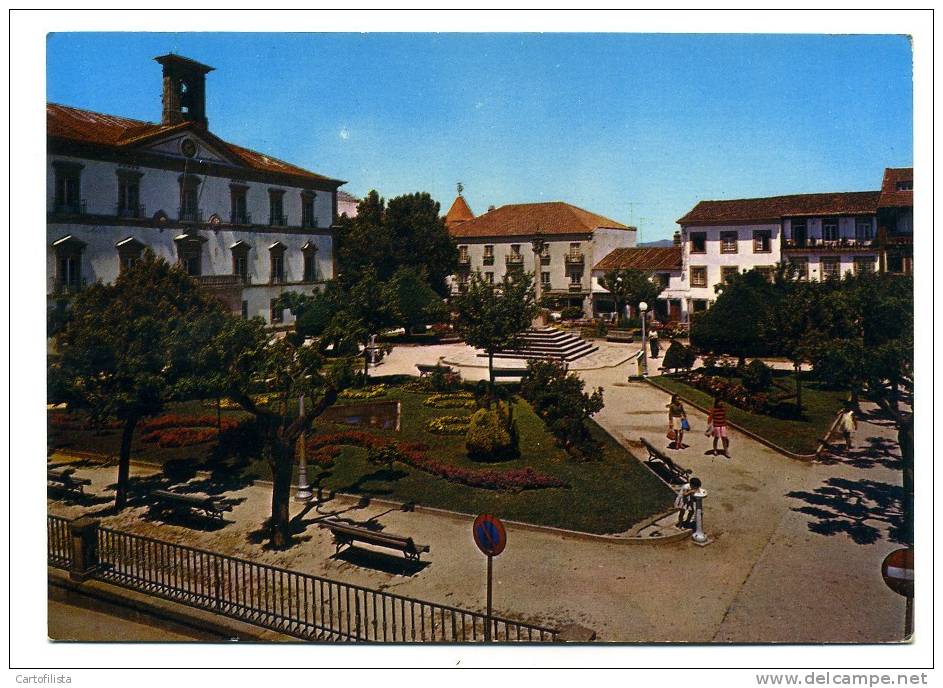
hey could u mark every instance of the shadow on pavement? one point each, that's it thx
(855, 508)
(387, 563)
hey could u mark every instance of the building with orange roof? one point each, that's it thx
(571, 239)
(246, 224)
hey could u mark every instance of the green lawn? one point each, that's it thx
(797, 435)
(609, 495)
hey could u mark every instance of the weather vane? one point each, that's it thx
(460, 187)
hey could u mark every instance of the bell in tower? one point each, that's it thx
(184, 91)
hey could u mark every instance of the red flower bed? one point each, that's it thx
(174, 420)
(71, 421)
(323, 449)
(181, 437)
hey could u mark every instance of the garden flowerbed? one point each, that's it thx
(448, 400)
(372, 392)
(448, 425)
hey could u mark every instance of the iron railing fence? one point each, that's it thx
(299, 604)
(59, 546)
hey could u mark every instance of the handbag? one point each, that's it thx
(672, 435)
(710, 429)
(685, 425)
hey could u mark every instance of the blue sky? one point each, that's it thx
(637, 127)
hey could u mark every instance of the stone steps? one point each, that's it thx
(549, 343)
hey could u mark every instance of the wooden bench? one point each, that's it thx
(346, 534)
(509, 372)
(663, 466)
(211, 507)
(623, 336)
(427, 368)
(63, 479)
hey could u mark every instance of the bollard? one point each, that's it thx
(699, 536)
(84, 534)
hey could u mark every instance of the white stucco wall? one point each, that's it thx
(744, 259)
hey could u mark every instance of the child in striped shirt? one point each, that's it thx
(718, 421)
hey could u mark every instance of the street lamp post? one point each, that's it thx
(303, 492)
(643, 359)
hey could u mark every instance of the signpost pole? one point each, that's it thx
(488, 613)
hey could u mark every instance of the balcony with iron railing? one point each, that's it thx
(130, 210)
(309, 221)
(487, 260)
(576, 286)
(814, 244)
(69, 207)
(514, 259)
(574, 259)
(278, 220)
(224, 280)
(189, 214)
(241, 217)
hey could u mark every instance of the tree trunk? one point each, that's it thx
(282, 462)
(798, 368)
(366, 363)
(491, 367)
(124, 463)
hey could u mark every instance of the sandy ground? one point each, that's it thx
(795, 556)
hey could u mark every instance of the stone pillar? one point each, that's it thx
(84, 534)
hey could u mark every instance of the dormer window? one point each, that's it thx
(905, 185)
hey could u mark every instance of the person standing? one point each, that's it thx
(718, 421)
(847, 426)
(677, 419)
(684, 502)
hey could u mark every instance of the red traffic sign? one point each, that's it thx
(489, 534)
(898, 571)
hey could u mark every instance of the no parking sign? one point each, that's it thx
(489, 534)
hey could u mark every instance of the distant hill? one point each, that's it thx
(661, 243)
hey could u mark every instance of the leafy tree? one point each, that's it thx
(413, 302)
(407, 231)
(630, 287)
(126, 349)
(678, 356)
(249, 359)
(493, 316)
(734, 323)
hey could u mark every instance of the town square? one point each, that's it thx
(474, 339)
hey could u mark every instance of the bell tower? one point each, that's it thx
(184, 90)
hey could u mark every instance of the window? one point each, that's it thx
(575, 250)
(515, 249)
(864, 229)
(489, 277)
(310, 252)
(662, 279)
(800, 233)
(463, 254)
(129, 194)
(276, 315)
(239, 205)
(190, 253)
(802, 267)
(545, 254)
(728, 271)
(129, 253)
(698, 276)
(728, 242)
(276, 216)
(698, 305)
(489, 255)
(762, 241)
(576, 277)
(68, 187)
(767, 271)
(698, 242)
(545, 279)
(830, 230)
(240, 259)
(277, 263)
(864, 265)
(905, 185)
(68, 263)
(189, 210)
(308, 218)
(895, 262)
(515, 257)
(831, 267)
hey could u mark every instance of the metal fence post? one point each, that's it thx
(84, 536)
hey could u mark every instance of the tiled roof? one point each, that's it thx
(890, 196)
(775, 208)
(459, 212)
(526, 219)
(120, 132)
(647, 259)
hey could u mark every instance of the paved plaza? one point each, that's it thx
(795, 553)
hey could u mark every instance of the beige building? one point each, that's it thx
(502, 240)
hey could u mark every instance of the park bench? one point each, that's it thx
(663, 466)
(428, 368)
(63, 479)
(211, 507)
(621, 336)
(346, 535)
(509, 372)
